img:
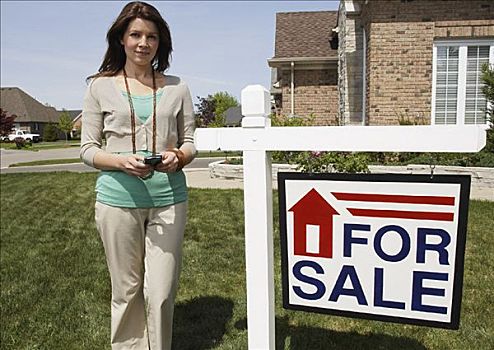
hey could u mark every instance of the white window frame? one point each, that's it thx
(462, 67)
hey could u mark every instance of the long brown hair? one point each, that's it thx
(115, 57)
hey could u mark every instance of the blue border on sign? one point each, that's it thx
(462, 180)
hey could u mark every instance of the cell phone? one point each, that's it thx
(153, 160)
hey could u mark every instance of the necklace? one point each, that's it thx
(133, 115)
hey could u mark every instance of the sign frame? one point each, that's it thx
(457, 288)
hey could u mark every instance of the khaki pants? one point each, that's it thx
(143, 251)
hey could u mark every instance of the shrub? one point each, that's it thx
(489, 147)
(318, 162)
(329, 162)
(50, 132)
(353, 162)
(405, 119)
(20, 142)
(288, 157)
(487, 78)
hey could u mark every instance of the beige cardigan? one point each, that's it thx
(106, 111)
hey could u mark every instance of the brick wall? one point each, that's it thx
(400, 36)
(316, 93)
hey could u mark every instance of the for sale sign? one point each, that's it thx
(384, 247)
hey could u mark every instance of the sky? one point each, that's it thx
(48, 48)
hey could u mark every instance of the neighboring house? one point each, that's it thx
(305, 75)
(233, 116)
(76, 116)
(31, 114)
(407, 59)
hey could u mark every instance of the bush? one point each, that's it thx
(405, 119)
(21, 143)
(484, 158)
(358, 162)
(288, 157)
(50, 132)
(489, 146)
(330, 162)
(318, 162)
(487, 78)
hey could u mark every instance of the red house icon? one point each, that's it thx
(313, 213)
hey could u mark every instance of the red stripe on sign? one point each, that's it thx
(392, 198)
(402, 214)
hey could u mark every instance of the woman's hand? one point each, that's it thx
(134, 165)
(169, 163)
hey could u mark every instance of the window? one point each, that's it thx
(457, 97)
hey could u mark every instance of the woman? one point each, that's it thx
(141, 195)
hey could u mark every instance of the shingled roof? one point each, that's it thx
(304, 34)
(74, 113)
(26, 108)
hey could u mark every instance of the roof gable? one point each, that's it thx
(233, 115)
(74, 113)
(26, 108)
(304, 34)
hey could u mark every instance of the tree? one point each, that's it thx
(50, 132)
(205, 111)
(487, 78)
(212, 109)
(65, 124)
(6, 122)
(223, 101)
(488, 89)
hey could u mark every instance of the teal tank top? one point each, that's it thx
(118, 189)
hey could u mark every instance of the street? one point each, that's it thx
(8, 157)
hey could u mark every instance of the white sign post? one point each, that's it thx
(256, 137)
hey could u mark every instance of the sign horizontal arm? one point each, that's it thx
(344, 138)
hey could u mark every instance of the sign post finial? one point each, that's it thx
(256, 107)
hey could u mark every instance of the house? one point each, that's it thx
(304, 66)
(403, 60)
(31, 114)
(76, 116)
(233, 116)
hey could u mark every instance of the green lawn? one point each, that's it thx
(55, 288)
(47, 162)
(57, 144)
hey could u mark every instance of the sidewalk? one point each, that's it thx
(199, 178)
